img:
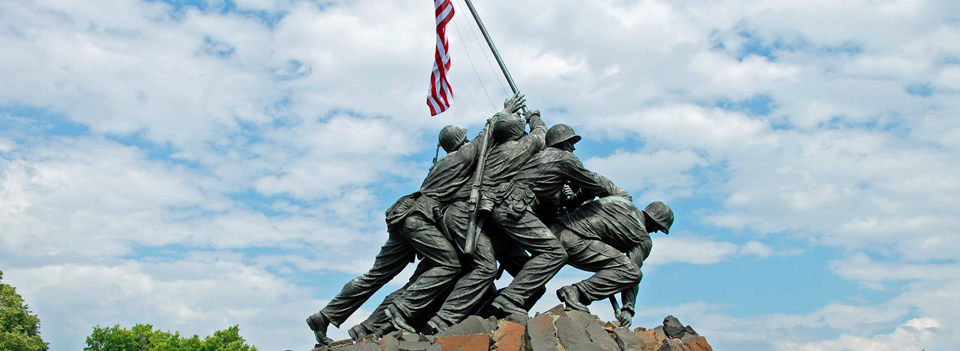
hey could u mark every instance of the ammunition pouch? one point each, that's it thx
(518, 199)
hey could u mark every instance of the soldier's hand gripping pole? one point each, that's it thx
(474, 225)
(493, 49)
(476, 221)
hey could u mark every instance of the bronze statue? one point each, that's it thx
(511, 149)
(412, 226)
(610, 237)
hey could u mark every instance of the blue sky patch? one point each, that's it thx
(217, 48)
(750, 289)
(919, 89)
(179, 8)
(847, 47)
(266, 203)
(23, 123)
(758, 105)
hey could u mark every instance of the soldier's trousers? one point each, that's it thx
(417, 234)
(548, 255)
(469, 291)
(614, 272)
(378, 322)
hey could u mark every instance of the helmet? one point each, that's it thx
(452, 136)
(508, 127)
(660, 213)
(560, 133)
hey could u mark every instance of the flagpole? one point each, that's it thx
(493, 48)
(476, 220)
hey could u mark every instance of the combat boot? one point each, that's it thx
(437, 325)
(570, 296)
(398, 320)
(318, 323)
(358, 331)
(506, 307)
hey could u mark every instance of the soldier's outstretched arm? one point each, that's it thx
(537, 126)
(514, 104)
(590, 184)
(612, 189)
(535, 140)
(471, 150)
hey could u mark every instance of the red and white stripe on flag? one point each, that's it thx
(440, 92)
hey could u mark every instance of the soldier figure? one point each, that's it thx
(512, 148)
(412, 226)
(538, 180)
(596, 236)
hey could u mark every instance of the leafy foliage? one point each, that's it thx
(19, 329)
(142, 337)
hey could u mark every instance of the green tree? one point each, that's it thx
(142, 337)
(19, 328)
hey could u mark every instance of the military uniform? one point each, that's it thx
(539, 179)
(412, 226)
(596, 236)
(502, 162)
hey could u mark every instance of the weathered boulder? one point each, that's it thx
(518, 318)
(471, 325)
(649, 339)
(509, 336)
(670, 344)
(543, 333)
(369, 338)
(391, 341)
(572, 335)
(626, 339)
(696, 343)
(594, 329)
(474, 342)
(414, 345)
(672, 327)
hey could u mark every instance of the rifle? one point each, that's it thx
(476, 222)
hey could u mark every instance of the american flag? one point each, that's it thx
(440, 92)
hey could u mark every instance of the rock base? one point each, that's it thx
(555, 330)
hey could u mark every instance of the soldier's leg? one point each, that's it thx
(468, 292)
(547, 258)
(395, 254)
(423, 235)
(378, 322)
(614, 272)
(512, 257)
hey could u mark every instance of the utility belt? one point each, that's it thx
(409, 204)
(513, 199)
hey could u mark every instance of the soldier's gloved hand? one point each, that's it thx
(567, 192)
(530, 114)
(625, 317)
(514, 104)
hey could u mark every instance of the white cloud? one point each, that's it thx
(194, 297)
(319, 115)
(665, 171)
(916, 332)
(682, 249)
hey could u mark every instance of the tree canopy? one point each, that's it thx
(142, 337)
(19, 328)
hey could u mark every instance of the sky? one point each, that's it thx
(200, 164)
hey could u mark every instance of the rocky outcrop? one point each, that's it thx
(555, 330)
